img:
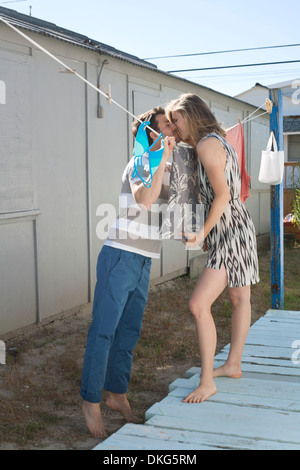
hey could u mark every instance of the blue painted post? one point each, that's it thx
(277, 233)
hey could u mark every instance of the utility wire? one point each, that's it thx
(234, 66)
(221, 52)
(14, 1)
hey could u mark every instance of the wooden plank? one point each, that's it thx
(117, 442)
(236, 399)
(245, 386)
(284, 314)
(271, 330)
(262, 351)
(185, 383)
(128, 433)
(143, 437)
(285, 321)
(242, 400)
(285, 334)
(293, 372)
(225, 441)
(275, 370)
(280, 323)
(231, 420)
(278, 320)
(262, 360)
(261, 339)
(263, 369)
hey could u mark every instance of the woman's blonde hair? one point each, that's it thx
(200, 120)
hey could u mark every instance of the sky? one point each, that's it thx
(158, 28)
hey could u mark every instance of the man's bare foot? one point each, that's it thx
(201, 393)
(228, 370)
(93, 419)
(118, 402)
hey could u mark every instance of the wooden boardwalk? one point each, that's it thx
(260, 411)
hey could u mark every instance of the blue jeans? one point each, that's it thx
(120, 298)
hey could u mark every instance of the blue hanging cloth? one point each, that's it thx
(141, 146)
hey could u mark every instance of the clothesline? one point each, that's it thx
(254, 117)
(268, 103)
(107, 96)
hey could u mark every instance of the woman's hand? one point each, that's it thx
(193, 240)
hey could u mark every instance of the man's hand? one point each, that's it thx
(169, 146)
(148, 196)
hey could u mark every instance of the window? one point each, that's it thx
(294, 148)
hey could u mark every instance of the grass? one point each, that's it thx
(39, 385)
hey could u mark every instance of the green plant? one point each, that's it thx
(296, 207)
(296, 202)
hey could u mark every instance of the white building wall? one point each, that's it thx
(58, 133)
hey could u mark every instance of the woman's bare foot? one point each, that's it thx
(227, 370)
(93, 419)
(118, 402)
(201, 393)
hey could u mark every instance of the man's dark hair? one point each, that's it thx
(148, 116)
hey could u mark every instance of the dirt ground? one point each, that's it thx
(40, 406)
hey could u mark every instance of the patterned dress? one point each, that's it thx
(232, 241)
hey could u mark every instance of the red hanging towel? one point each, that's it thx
(235, 137)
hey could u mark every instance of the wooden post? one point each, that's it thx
(277, 232)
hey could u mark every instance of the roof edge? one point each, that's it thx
(52, 30)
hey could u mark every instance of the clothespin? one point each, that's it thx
(239, 120)
(108, 94)
(65, 70)
(269, 105)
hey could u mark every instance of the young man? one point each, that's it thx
(123, 273)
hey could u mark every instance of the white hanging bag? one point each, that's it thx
(272, 163)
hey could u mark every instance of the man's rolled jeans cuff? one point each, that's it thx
(109, 387)
(91, 397)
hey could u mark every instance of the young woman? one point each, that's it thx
(230, 237)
